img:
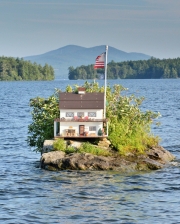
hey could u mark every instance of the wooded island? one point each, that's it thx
(143, 69)
(16, 69)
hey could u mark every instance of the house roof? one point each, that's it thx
(81, 101)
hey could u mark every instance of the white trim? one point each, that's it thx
(105, 82)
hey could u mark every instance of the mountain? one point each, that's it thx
(72, 55)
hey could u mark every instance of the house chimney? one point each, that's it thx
(81, 90)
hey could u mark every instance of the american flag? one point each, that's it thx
(100, 61)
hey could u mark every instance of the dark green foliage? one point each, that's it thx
(12, 69)
(43, 115)
(142, 69)
(82, 72)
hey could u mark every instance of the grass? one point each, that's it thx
(89, 148)
(86, 147)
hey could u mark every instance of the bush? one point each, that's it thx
(70, 149)
(59, 145)
(89, 148)
(43, 114)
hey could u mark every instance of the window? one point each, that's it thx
(80, 114)
(92, 128)
(69, 114)
(91, 114)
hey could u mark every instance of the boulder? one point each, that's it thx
(47, 146)
(160, 154)
(104, 143)
(48, 159)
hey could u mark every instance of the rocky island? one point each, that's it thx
(152, 159)
(120, 132)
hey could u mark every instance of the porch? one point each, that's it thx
(80, 128)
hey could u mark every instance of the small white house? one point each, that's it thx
(81, 115)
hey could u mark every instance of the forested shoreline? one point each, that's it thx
(16, 69)
(143, 69)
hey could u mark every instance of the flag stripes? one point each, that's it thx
(100, 61)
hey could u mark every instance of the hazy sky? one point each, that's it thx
(31, 27)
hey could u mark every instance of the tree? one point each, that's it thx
(18, 69)
(142, 69)
(3, 70)
(43, 114)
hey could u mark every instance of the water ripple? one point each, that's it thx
(31, 195)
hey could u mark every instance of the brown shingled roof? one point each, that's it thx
(81, 101)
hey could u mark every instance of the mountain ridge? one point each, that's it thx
(73, 55)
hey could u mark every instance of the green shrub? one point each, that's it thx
(43, 114)
(70, 149)
(59, 145)
(89, 148)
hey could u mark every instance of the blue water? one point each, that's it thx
(29, 194)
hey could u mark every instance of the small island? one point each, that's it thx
(85, 133)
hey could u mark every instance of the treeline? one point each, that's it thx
(12, 69)
(143, 69)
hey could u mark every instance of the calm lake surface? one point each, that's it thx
(29, 194)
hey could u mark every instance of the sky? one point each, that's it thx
(33, 27)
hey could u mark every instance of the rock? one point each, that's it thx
(83, 161)
(47, 146)
(104, 143)
(75, 144)
(149, 164)
(160, 154)
(48, 159)
(153, 159)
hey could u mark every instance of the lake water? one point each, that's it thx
(29, 194)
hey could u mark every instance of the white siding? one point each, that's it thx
(75, 125)
(99, 112)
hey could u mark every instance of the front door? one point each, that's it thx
(81, 130)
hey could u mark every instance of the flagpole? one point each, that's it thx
(105, 81)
